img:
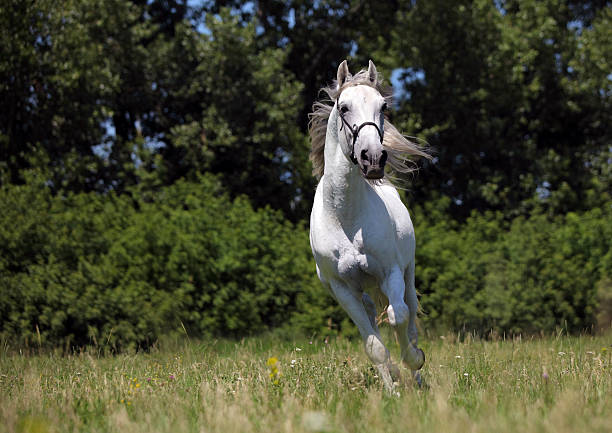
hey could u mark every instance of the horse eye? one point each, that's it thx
(344, 109)
(384, 107)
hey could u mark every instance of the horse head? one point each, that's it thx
(360, 108)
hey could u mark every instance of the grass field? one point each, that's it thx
(556, 384)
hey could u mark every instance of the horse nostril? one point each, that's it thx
(364, 156)
(383, 158)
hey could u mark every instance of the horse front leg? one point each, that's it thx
(370, 308)
(351, 300)
(402, 312)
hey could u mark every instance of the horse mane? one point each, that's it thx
(399, 147)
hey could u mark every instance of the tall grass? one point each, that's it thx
(560, 384)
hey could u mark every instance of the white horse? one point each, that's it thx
(361, 234)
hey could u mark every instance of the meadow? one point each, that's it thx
(557, 383)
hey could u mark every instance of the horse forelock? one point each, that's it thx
(399, 147)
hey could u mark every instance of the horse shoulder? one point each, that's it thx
(325, 238)
(338, 254)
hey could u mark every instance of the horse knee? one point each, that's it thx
(376, 350)
(398, 314)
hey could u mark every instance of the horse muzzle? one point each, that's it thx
(373, 164)
(374, 172)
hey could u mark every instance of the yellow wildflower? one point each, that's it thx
(274, 373)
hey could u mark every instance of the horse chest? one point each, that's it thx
(360, 250)
(350, 256)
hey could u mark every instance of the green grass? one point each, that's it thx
(558, 384)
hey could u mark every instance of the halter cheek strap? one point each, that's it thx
(355, 131)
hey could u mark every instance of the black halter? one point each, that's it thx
(355, 131)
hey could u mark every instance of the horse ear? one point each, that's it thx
(343, 74)
(372, 74)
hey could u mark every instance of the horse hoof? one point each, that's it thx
(418, 359)
(423, 355)
(417, 378)
(394, 370)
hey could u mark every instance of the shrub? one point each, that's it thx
(121, 270)
(527, 275)
(104, 269)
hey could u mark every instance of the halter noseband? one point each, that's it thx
(355, 131)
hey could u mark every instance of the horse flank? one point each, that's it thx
(398, 147)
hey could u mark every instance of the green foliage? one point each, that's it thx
(111, 233)
(114, 270)
(55, 81)
(119, 271)
(514, 96)
(228, 107)
(106, 89)
(529, 275)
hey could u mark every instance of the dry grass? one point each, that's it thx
(560, 384)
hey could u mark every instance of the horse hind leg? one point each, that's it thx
(352, 302)
(412, 355)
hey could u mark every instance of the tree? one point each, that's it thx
(316, 37)
(55, 83)
(494, 87)
(113, 93)
(224, 106)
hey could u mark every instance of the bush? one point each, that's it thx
(107, 269)
(527, 275)
(120, 270)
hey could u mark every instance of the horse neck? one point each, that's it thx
(343, 185)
